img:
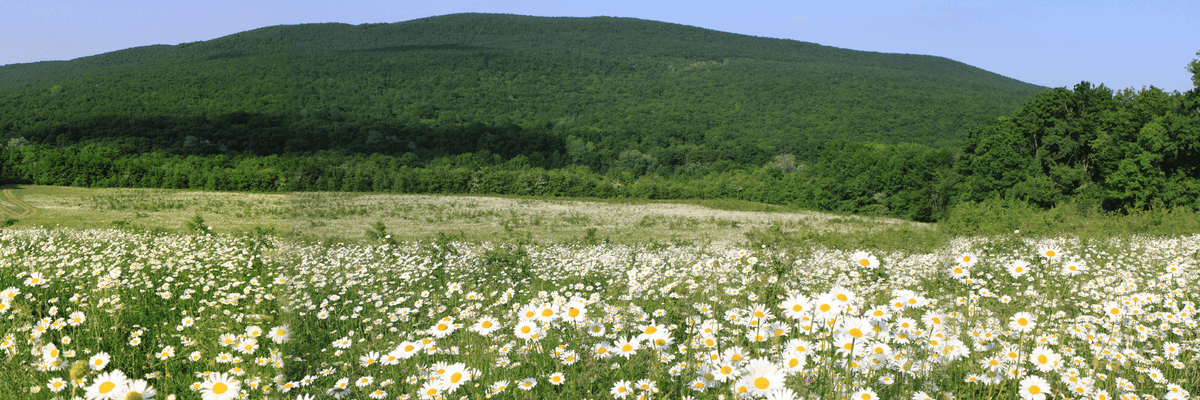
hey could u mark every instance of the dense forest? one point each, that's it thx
(590, 107)
(512, 85)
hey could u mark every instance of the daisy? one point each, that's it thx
(34, 279)
(107, 385)
(50, 352)
(796, 307)
(56, 385)
(76, 318)
(1044, 359)
(527, 383)
(406, 349)
(602, 350)
(793, 361)
(247, 346)
(1034, 388)
(343, 343)
(219, 386)
(280, 334)
(497, 387)
(1050, 252)
(431, 390)
(557, 378)
(1023, 322)
(621, 389)
(98, 361)
(528, 330)
(166, 353)
(443, 328)
(959, 271)
(575, 311)
(626, 346)
(486, 325)
(782, 394)
(1073, 267)
(862, 259)
(652, 331)
(340, 389)
(762, 376)
(864, 394)
(454, 376)
(568, 357)
(140, 387)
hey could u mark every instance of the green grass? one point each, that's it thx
(380, 297)
(184, 268)
(344, 217)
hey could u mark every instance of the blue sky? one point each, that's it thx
(1052, 43)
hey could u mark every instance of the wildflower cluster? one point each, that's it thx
(115, 315)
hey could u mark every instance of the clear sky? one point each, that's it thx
(1120, 43)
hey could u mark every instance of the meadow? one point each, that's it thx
(270, 299)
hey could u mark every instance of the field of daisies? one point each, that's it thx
(109, 314)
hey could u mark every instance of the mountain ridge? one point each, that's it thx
(621, 83)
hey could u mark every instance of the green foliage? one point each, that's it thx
(197, 224)
(1122, 151)
(1194, 68)
(590, 238)
(1001, 217)
(378, 233)
(888, 239)
(7, 222)
(639, 96)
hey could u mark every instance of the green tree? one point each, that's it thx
(1194, 68)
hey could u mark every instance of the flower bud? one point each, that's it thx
(79, 370)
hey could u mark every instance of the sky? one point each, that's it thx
(1053, 43)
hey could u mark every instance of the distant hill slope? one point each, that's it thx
(503, 83)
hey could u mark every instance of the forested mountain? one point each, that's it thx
(556, 91)
(593, 107)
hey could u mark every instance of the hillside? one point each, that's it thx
(559, 91)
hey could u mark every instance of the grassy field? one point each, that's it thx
(515, 304)
(344, 217)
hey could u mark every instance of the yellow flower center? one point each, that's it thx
(762, 383)
(219, 388)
